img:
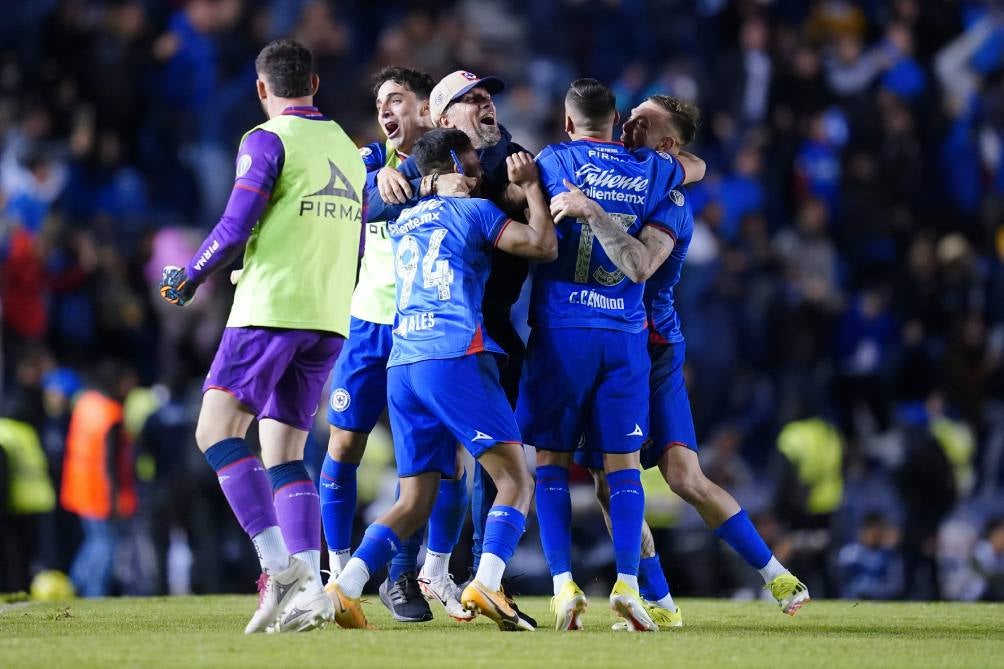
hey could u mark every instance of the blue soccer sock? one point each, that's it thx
(378, 546)
(651, 579)
(503, 529)
(338, 507)
(448, 515)
(554, 515)
(406, 559)
(627, 513)
(739, 533)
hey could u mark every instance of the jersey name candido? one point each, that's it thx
(583, 287)
(442, 257)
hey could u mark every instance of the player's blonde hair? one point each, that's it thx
(684, 115)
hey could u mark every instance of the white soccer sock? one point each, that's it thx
(271, 548)
(772, 570)
(337, 561)
(353, 578)
(667, 603)
(630, 579)
(436, 564)
(313, 560)
(560, 580)
(490, 571)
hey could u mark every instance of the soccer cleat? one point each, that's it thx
(664, 618)
(568, 606)
(404, 599)
(442, 589)
(525, 617)
(790, 593)
(626, 603)
(309, 609)
(276, 591)
(478, 599)
(348, 611)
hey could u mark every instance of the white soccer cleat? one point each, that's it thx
(441, 588)
(309, 609)
(626, 603)
(276, 592)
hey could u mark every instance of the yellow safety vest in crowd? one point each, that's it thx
(816, 450)
(31, 488)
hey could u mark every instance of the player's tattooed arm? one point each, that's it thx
(638, 258)
(693, 167)
(536, 240)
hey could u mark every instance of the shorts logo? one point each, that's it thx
(469, 76)
(481, 436)
(340, 400)
(243, 165)
(677, 197)
(637, 431)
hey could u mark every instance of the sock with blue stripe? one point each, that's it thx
(338, 509)
(627, 512)
(554, 515)
(503, 529)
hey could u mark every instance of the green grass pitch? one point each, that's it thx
(187, 632)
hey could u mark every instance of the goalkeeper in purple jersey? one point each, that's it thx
(667, 124)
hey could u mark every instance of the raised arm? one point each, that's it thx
(638, 258)
(259, 163)
(536, 240)
(693, 167)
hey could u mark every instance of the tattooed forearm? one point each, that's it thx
(627, 253)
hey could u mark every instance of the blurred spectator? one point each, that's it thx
(871, 567)
(98, 476)
(988, 561)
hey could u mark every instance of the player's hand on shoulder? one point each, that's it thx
(175, 286)
(522, 169)
(573, 203)
(455, 185)
(394, 186)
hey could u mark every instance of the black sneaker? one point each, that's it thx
(506, 586)
(404, 599)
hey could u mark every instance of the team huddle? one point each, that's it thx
(451, 215)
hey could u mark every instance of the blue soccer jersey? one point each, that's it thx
(442, 254)
(583, 288)
(676, 218)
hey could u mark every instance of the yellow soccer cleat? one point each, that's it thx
(348, 612)
(568, 606)
(664, 618)
(790, 593)
(479, 599)
(626, 603)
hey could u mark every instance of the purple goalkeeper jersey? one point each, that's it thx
(259, 163)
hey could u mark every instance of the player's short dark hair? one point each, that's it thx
(593, 99)
(432, 151)
(685, 116)
(417, 82)
(286, 66)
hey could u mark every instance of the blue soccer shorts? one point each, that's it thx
(584, 381)
(433, 404)
(671, 422)
(359, 377)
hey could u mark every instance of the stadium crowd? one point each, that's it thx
(843, 298)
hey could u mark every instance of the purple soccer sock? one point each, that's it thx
(245, 485)
(297, 506)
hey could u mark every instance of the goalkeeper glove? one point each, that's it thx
(175, 286)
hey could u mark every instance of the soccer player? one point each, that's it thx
(442, 379)
(463, 100)
(667, 124)
(296, 206)
(587, 368)
(359, 381)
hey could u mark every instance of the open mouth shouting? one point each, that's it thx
(487, 119)
(392, 128)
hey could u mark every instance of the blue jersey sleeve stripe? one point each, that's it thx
(662, 227)
(502, 228)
